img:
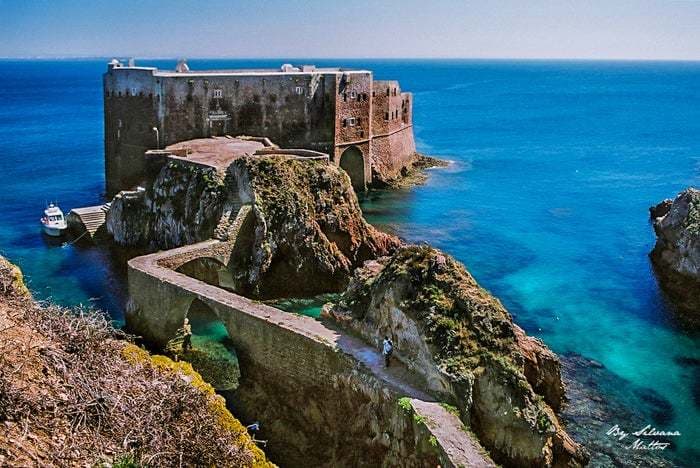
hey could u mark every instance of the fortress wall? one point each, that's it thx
(393, 146)
(295, 110)
(353, 101)
(130, 113)
(392, 153)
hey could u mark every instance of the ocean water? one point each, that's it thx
(554, 167)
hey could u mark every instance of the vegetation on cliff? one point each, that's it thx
(182, 206)
(464, 343)
(309, 233)
(73, 392)
(676, 255)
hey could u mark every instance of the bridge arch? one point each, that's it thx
(212, 352)
(210, 270)
(353, 162)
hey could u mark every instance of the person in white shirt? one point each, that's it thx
(387, 350)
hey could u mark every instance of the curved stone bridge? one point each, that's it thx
(323, 397)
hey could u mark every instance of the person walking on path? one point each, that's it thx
(186, 335)
(387, 350)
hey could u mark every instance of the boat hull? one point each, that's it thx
(53, 231)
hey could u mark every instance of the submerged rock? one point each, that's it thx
(676, 255)
(463, 343)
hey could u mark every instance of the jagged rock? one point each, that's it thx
(464, 344)
(182, 206)
(308, 233)
(676, 255)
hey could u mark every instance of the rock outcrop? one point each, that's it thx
(73, 393)
(676, 255)
(308, 233)
(463, 343)
(182, 206)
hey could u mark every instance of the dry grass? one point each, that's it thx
(74, 393)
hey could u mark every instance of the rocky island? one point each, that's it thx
(676, 255)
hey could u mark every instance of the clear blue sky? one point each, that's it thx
(633, 29)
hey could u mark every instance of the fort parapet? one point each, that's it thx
(364, 125)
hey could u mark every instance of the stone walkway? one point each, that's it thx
(448, 430)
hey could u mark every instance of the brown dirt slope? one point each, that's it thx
(72, 394)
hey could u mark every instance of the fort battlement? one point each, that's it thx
(364, 125)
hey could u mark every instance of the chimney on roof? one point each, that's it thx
(182, 66)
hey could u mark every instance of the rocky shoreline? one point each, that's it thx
(307, 236)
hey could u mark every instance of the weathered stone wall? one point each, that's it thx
(294, 110)
(393, 145)
(319, 403)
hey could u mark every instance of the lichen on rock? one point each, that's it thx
(463, 342)
(182, 206)
(308, 232)
(676, 255)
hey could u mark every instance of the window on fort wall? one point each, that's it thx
(218, 93)
(345, 97)
(299, 90)
(386, 116)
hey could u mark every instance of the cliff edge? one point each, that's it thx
(73, 394)
(676, 255)
(462, 341)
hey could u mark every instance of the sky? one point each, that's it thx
(583, 29)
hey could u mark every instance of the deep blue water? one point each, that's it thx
(555, 166)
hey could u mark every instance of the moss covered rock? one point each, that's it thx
(308, 232)
(464, 344)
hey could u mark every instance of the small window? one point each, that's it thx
(388, 91)
(345, 97)
(359, 121)
(351, 121)
(299, 90)
(353, 95)
(374, 93)
(218, 93)
(386, 116)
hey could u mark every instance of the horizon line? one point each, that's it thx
(224, 57)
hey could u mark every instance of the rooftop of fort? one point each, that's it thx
(183, 69)
(220, 152)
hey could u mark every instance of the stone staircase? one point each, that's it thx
(225, 226)
(88, 220)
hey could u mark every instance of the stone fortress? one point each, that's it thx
(365, 125)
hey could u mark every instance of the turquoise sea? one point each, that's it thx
(555, 164)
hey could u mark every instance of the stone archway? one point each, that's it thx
(212, 353)
(353, 162)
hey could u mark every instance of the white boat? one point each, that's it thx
(53, 222)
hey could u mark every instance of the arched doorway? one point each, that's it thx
(212, 353)
(353, 162)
